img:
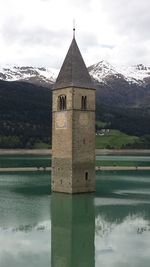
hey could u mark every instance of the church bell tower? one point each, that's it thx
(73, 127)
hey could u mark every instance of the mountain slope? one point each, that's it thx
(116, 86)
(25, 107)
(133, 74)
(100, 72)
(25, 112)
(39, 76)
(126, 87)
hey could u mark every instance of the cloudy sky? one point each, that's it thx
(39, 32)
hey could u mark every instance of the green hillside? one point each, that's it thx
(114, 139)
(25, 119)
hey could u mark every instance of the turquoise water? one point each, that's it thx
(24, 161)
(45, 161)
(123, 158)
(110, 228)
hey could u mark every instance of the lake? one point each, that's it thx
(110, 228)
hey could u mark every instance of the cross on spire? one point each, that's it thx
(74, 28)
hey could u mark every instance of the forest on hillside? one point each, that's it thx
(25, 117)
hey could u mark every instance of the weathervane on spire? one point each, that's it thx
(74, 28)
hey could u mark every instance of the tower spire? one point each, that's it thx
(74, 28)
(73, 72)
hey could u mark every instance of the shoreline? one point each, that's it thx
(25, 152)
(97, 168)
(48, 152)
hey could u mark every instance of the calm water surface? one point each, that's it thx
(45, 161)
(110, 228)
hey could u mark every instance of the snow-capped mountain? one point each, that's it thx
(121, 86)
(134, 74)
(122, 100)
(30, 74)
(101, 72)
(137, 73)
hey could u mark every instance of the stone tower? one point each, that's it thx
(73, 129)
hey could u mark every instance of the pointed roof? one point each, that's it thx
(73, 72)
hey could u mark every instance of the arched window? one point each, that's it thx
(62, 102)
(84, 102)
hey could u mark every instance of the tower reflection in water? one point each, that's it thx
(73, 231)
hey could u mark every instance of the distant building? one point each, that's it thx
(102, 132)
(73, 130)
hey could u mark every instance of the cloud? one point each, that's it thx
(40, 31)
(131, 53)
(23, 248)
(130, 18)
(115, 242)
(34, 36)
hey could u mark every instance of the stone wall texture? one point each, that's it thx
(73, 142)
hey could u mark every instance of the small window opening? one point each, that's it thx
(84, 141)
(62, 102)
(84, 102)
(61, 181)
(86, 176)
